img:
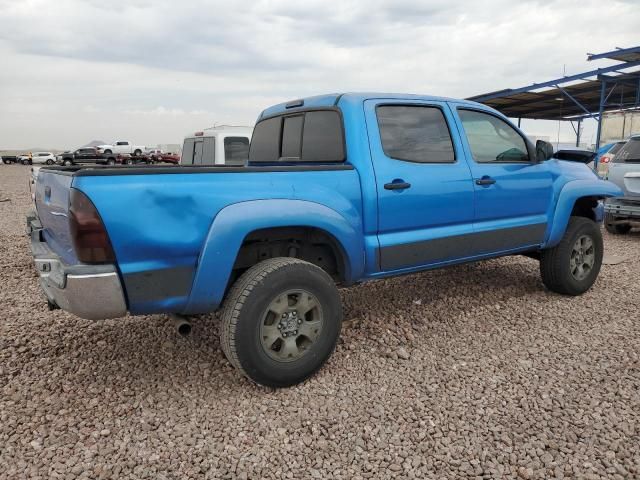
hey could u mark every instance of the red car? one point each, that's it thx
(168, 158)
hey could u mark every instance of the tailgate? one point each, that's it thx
(632, 183)
(52, 204)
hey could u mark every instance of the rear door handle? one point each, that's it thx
(485, 181)
(396, 185)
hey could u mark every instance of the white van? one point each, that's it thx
(223, 145)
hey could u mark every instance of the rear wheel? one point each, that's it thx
(111, 161)
(137, 153)
(108, 152)
(615, 228)
(49, 162)
(281, 321)
(67, 163)
(572, 266)
(26, 162)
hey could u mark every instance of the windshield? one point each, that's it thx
(630, 152)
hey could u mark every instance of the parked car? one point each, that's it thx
(87, 155)
(622, 213)
(576, 155)
(168, 157)
(122, 147)
(338, 189)
(607, 157)
(38, 158)
(222, 145)
(9, 159)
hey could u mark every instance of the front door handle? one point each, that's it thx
(396, 185)
(485, 181)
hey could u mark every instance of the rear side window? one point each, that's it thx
(187, 152)
(415, 134)
(629, 153)
(616, 148)
(311, 136)
(236, 150)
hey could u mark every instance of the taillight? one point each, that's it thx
(604, 159)
(88, 234)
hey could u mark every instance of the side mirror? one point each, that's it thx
(544, 150)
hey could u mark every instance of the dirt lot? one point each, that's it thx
(469, 372)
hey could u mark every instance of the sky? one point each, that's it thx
(152, 71)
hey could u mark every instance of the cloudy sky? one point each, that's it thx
(153, 70)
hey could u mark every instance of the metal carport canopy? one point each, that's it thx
(572, 97)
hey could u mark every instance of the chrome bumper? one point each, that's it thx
(621, 207)
(93, 292)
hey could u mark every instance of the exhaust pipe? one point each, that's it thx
(181, 324)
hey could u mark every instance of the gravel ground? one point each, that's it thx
(470, 372)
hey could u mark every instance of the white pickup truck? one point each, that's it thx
(122, 146)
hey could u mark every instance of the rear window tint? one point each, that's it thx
(208, 151)
(629, 153)
(265, 142)
(292, 137)
(616, 148)
(313, 136)
(236, 150)
(322, 139)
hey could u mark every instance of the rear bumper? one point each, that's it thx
(93, 292)
(623, 207)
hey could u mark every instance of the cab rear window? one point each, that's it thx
(314, 136)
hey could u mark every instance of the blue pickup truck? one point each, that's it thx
(338, 189)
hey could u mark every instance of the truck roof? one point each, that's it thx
(213, 131)
(332, 99)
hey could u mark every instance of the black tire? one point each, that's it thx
(67, 163)
(108, 152)
(244, 312)
(137, 153)
(615, 229)
(129, 161)
(49, 162)
(25, 162)
(555, 263)
(111, 161)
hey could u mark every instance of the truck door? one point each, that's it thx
(513, 191)
(425, 192)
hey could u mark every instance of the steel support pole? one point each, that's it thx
(603, 90)
(519, 120)
(578, 133)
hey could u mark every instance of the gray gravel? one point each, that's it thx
(469, 372)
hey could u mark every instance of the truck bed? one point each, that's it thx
(169, 212)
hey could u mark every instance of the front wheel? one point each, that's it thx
(572, 266)
(281, 321)
(137, 153)
(67, 163)
(49, 162)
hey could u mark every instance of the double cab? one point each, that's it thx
(337, 189)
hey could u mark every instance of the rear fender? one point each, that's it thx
(569, 194)
(233, 223)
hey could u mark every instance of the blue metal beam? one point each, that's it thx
(551, 83)
(573, 100)
(613, 53)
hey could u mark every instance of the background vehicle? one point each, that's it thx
(576, 155)
(38, 158)
(153, 153)
(222, 145)
(168, 157)
(622, 213)
(122, 147)
(607, 156)
(89, 155)
(338, 189)
(9, 159)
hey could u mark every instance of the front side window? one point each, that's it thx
(629, 153)
(415, 134)
(236, 150)
(491, 139)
